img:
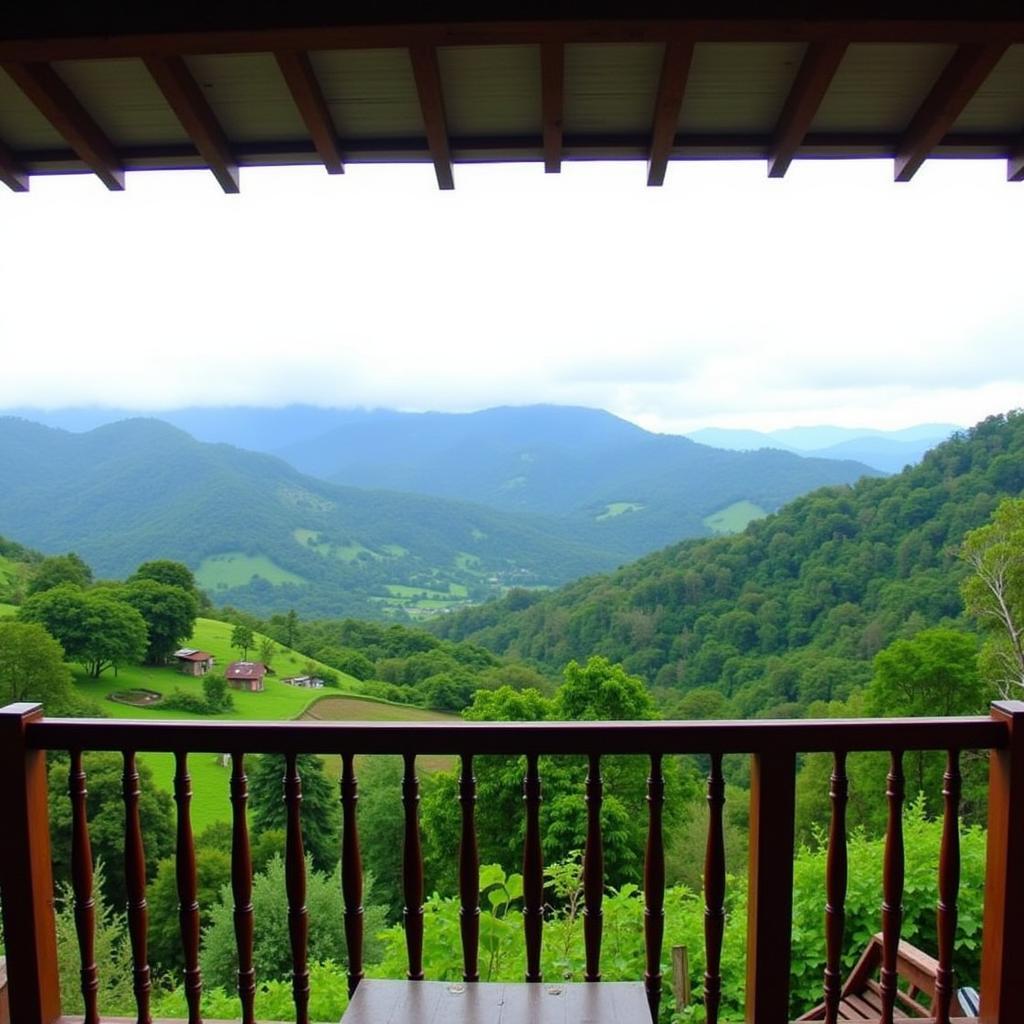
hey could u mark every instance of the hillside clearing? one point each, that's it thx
(235, 569)
(734, 518)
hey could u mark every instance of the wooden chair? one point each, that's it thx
(862, 994)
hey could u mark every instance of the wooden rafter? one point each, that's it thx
(186, 99)
(821, 60)
(12, 173)
(961, 78)
(309, 99)
(56, 102)
(675, 69)
(428, 86)
(189, 36)
(1015, 162)
(552, 92)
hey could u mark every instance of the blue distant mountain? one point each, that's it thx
(885, 450)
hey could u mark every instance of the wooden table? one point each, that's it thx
(442, 1002)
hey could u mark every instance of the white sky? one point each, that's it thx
(724, 298)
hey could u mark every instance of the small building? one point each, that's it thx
(307, 682)
(193, 662)
(246, 675)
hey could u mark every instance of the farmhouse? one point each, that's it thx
(246, 675)
(309, 682)
(193, 662)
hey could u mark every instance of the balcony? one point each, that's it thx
(27, 888)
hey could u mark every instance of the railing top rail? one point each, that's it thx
(661, 737)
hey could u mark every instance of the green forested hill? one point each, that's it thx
(618, 486)
(258, 533)
(793, 609)
(16, 564)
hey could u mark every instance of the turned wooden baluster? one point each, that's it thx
(593, 871)
(135, 884)
(188, 903)
(835, 884)
(469, 874)
(295, 884)
(351, 872)
(412, 870)
(241, 887)
(892, 886)
(81, 883)
(654, 886)
(714, 892)
(533, 872)
(949, 886)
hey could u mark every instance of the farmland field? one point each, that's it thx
(235, 569)
(278, 702)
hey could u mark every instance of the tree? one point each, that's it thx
(58, 569)
(213, 872)
(169, 612)
(32, 667)
(267, 651)
(995, 592)
(105, 813)
(291, 628)
(242, 639)
(174, 574)
(94, 627)
(601, 691)
(320, 809)
(933, 673)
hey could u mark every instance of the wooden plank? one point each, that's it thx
(12, 172)
(26, 878)
(55, 101)
(517, 738)
(248, 35)
(309, 99)
(1002, 943)
(675, 69)
(956, 85)
(186, 99)
(552, 94)
(770, 880)
(817, 70)
(433, 1002)
(428, 86)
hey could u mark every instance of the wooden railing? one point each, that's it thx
(27, 889)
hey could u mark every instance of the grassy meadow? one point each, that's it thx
(278, 702)
(735, 517)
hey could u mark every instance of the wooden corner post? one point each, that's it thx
(1002, 949)
(26, 877)
(770, 895)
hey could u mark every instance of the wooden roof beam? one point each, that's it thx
(309, 98)
(186, 99)
(428, 84)
(1015, 162)
(552, 93)
(818, 68)
(56, 102)
(675, 69)
(12, 173)
(961, 78)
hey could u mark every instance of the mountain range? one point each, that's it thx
(886, 450)
(615, 486)
(528, 497)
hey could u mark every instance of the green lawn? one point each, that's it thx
(235, 569)
(735, 517)
(278, 702)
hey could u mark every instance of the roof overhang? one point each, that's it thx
(226, 85)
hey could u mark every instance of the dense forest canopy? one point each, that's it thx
(792, 610)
